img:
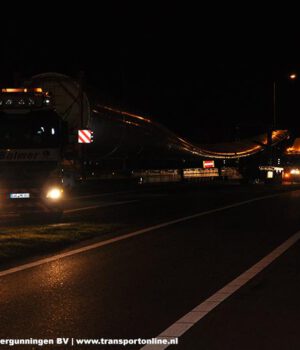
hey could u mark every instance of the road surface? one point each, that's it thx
(178, 246)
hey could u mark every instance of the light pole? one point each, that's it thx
(274, 106)
(291, 76)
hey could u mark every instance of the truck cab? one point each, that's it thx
(32, 138)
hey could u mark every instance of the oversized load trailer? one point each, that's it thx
(130, 138)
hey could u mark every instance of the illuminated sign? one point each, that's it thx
(200, 172)
(85, 136)
(271, 168)
(208, 164)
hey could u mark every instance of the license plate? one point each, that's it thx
(19, 195)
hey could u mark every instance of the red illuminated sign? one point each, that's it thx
(208, 164)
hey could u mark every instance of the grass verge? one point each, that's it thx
(27, 241)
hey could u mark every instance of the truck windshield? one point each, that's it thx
(32, 130)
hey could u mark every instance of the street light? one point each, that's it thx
(291, 76)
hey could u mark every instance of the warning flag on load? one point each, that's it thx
(85, 136)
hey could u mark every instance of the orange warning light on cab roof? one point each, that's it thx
(13, 90)
(22, 90)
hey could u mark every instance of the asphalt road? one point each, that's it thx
(139, 286)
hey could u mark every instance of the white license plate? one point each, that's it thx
(19, 195)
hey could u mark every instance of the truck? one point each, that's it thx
(54, 133)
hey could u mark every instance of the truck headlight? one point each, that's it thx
(54, 193)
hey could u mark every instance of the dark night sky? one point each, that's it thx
(154, 65)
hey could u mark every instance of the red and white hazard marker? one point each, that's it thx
(85, 136)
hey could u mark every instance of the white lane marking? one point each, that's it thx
(99, 195)
(182, 325)
(99, 206)
(126, 236)
(62, 224)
